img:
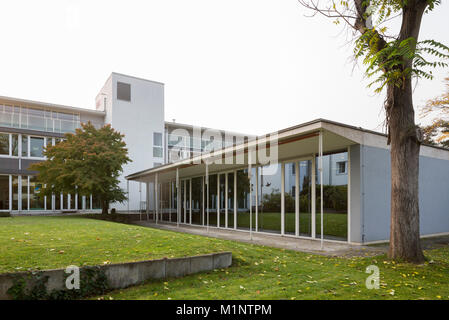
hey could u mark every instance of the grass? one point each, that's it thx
(268, 273)
(257, 272)
(33, 243)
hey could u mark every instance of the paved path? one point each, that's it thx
(304, 245)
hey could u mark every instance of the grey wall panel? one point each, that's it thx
(376, 197)
(433, 194)
(9, 165)
(356, 225)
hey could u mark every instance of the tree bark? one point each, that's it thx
(104, 207)
(405, 139)
(405, 145)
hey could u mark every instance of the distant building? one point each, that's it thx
(133, 106)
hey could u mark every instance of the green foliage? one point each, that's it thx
(87, 162)
(92, 281)
(392, 60)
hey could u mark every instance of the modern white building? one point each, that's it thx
(133, 106)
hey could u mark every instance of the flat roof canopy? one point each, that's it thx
(292, 143)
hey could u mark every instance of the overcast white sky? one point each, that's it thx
(252, 66)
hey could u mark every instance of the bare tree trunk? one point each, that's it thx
(405, 139)
(104, 207)
(405, 144)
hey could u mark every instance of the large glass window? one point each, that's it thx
(222, 200)
(24, 146)
(24, 192)
(14, 145)
(36, 147)
(157, 145)
(15, 192)
(269, 219)
(335, 196)
(197, 186)
(36, 200)
(4, 144)
(231, 200)
(213, 200)
(4, 192)
(305, 198)
(290, 198)
(243, 221)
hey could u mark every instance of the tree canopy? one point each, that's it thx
(87, 162)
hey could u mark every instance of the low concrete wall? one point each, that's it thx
(122, 275)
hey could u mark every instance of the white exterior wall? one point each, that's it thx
(137, 120)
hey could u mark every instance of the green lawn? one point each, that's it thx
(257, 272)
(56, 242)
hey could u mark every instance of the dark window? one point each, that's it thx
(4, 143)
(341, 167)
(123, 91)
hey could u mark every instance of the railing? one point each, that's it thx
(40, 120)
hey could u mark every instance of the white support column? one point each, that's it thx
(19, 191)
(296, 164)
(154, 200)
(226, 199)
(218, 200)
(156, 195)
(190, 201)
(185, 201)
(257, 199)
(348, 222)
(282, 199)
(207, 196)
(169, 200)
(177, 198)
(235, 199)
(62, 202)
(313, 233)
(28, 183)
(10, 193)
(147, 207)
(321, 188)
(127, 193)
(140, 200)
(202, 201)
(250, 197)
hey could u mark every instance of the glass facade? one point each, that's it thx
(36, 147)
(243, 200)
(38, 119)
(335, 197)
(4, 144)
(36, 200)
(197, 196)
(269, 219)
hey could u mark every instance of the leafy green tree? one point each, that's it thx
(87, 162)
(393, 56)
